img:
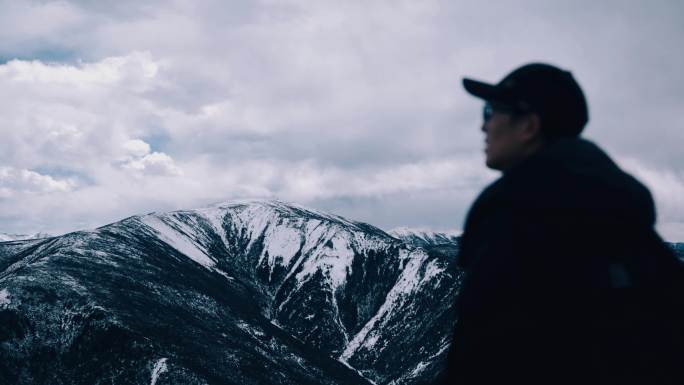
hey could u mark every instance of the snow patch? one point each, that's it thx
(282, 244)
(178, 240)
(253, 331)
(216, 217)
(409, 281)
(345, 363)
(432, 270)
(4, 298)
(228, 277)
(335, 262)
(424, 364)
(159, 368)
(419, 368)
(371, 341)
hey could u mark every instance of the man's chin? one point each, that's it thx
(491, 163)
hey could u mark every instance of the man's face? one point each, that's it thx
(505, 143)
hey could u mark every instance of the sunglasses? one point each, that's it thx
(490, 108)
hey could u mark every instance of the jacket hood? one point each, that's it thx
(575, 154)
(584, 161)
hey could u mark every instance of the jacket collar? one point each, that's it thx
(573, 153)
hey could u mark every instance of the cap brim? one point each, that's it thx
(481, 90)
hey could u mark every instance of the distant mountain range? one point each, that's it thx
(678, 249)
(243, 292)
(249, 292)
(425, 237)
(4, 237)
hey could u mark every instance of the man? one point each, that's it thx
(566, 282)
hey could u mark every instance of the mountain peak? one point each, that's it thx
(279, 205)
(261, 209)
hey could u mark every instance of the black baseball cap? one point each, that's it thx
(551, 92)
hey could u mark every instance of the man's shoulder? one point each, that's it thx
(578, 175)
(574, 176)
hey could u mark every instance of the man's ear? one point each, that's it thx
(531, 127)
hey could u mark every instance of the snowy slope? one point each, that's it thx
(222, 291)
(334, 284)
(144, 300)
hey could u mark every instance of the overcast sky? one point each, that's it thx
(110, 109)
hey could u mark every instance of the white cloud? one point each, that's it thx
(140, 161)
(14, 181)
(136, 147)
(132, 70)
(72, 116)
(156, 163)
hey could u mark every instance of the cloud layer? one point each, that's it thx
(108, 110)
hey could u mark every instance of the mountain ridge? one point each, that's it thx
(345, 289)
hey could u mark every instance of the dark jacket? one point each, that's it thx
(566, 279)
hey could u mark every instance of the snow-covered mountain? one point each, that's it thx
(424, 237)
(247, 292)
